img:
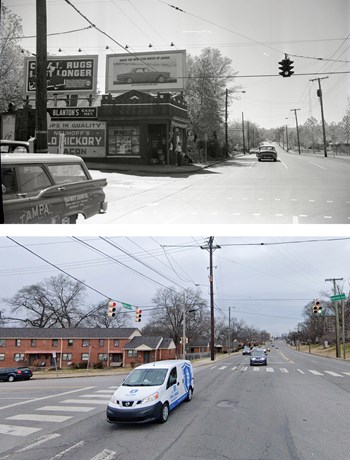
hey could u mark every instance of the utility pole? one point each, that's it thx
(243, 133)
(211, 248)
(337, 335)
(319, 94)
(296, 122)
(287, 137)
(41, 78)
(226, 128)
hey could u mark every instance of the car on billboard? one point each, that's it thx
(143, 75)
(49, 189)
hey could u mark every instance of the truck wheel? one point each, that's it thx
(164, 415)
(189, 395)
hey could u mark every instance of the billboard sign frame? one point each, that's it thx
(65, 75)
(147, 71)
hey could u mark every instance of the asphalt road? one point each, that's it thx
(294, 190)
(295, 408)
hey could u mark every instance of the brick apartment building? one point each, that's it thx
(40, 347)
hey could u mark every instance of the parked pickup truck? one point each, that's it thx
(49, 189)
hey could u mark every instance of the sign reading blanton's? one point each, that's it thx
(86, 139)
(68, 74)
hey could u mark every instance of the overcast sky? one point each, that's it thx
(267, 285)
(254, 34)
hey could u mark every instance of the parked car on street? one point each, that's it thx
(49, 189)
(9, 146)
(258, 358)
(143, 75)
(10, 374)
(151, 391)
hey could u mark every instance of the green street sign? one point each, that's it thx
(335, 298)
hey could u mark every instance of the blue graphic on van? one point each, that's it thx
(187, 376)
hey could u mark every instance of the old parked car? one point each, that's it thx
(267, 152)
(9, 146)
(10, 374)
(143, 75)
(49, 189)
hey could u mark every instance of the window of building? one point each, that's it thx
(18, 342)
(101, 342)
(132, 353)
(2, 356)
(102, 356)
(33, 343)
(85, 356)
(55, 342)
(2, 342)
(66, 356)
(70, 342)
(116, 343)
(86, 342)
(124, 141)
(18, 357)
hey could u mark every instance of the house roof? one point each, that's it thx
(68, 333)
(151, 343)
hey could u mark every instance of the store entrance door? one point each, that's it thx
(157, 144)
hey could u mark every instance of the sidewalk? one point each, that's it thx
(153, 169)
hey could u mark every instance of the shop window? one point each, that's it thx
(124, 141)
(18, 342)
(18, 357)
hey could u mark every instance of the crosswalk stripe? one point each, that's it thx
(106, 454)
(284, 370)
(83, 401)
(315, 372)
(222, 367)
(256, 369)
(270, 369)
(234, 368)
(96, 396)
(301, 372)
(40, 417)
(346, 373)
(334, 374)
(244, 368)
(66, 408)
(17, 430)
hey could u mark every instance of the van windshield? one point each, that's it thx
(145, 378)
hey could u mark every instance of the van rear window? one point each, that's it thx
(65, 173)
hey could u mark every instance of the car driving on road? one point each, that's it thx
(258, 358)
(267, 152)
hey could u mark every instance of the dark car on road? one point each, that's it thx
(258, 358)
(267, 152)
(10, 374)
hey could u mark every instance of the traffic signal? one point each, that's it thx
(138, 314)
(316, 308)
(112, 307)
(286, 67)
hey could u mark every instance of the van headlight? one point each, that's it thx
(150, 398)
(114, 399)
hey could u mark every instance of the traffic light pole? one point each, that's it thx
(319, 94)
(333, 280)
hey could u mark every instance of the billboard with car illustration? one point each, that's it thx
(157, 71)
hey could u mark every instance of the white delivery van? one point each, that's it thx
(151, 391)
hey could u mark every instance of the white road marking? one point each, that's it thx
(64, 452)
(315, 372)
(283, 370)
(334, 374)
(106, 454)
(327, 217)
(301, 372)
(346, 373)
(222, 367)
(83, 401)
(315, 164)
(66, 408)
(234, 368)
(295, 220)
(244, 368)
(40, 417)
(17, 430)
(256, 369)
(39, 441)
(312, 201)
(270, 369)
(94, 395)
(328, 201)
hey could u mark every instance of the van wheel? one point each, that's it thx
(11, 378)
(164, 415)
(189, 395)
